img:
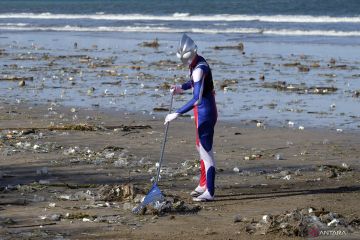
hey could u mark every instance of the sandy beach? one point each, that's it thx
(84, 90)
(50, 178)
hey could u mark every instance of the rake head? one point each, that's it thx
(153, 195)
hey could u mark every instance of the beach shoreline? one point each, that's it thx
(84, 90)
(45, 174)
(305, 83)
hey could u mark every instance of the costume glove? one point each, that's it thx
(170, 117)
(176, 89)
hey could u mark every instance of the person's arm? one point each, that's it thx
(198, 77)
(178, 89)
(187, 85)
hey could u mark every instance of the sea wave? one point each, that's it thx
(287, 32)
(14, 24)
(187, 17)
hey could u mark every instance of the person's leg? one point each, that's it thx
(206, 134)
(202, 180)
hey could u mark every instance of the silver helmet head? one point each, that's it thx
(187, 50)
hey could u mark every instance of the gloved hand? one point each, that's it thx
(170, 117)
(176, 89)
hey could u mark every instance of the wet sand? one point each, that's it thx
(310, 84)
(42, 169)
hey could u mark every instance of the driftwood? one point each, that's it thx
(240, 47)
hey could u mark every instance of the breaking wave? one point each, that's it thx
(285, 32)
(187, 17)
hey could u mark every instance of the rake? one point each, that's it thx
(155, 193)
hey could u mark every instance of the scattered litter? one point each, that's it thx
(260, 124)
(52, 205)
(238, 218)
(301, 223)
(86, 220)
(171, 205)
(153, 44)
(42, 171)
(15, 78)
(299, 88)
(279, 156)
(78, 215)
(253, 157)
(333, 171)
(287, 177)
(228, 84)
(116, 192)
(55, 217)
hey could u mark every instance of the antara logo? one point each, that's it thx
(332, 233)
(314, 232)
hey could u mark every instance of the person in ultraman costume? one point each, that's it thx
(205, 113)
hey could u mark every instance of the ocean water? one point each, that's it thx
(274, 33)
(305, 19)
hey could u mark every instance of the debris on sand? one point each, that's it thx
(303, 68)
(295, 64)
(343, 66)
(83, 127)
(21, 83)
(171, 205)
(126, 128)
(118, 193)
(165, 86)
(239, 218)
(240, 47)
(301, 223)
(333, 171)
(111, 73)
(356, 93)
(160, 109)
(15, 78)
(153, 44)
(145, 76)
(164, 63)
(74, 127)
(78, 215)
(315, 65)
(7, 221)
(299, 88)
(228, 83)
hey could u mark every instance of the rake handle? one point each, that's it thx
(164, 143)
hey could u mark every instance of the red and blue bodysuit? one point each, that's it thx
(205, 113)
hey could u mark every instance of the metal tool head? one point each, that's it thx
(153, 195)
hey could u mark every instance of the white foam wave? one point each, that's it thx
(187, 17)
(285, 32)
(330, 33)
(14, 24)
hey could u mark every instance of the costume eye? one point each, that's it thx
(187, 55)
(178, 55)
